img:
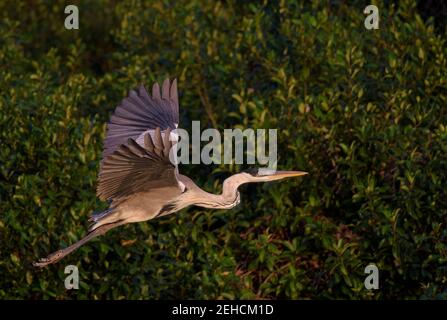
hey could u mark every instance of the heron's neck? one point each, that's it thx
(228, 199)
(215, 201)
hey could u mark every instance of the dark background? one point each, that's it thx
(363, 111)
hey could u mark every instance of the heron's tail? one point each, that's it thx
(96, 216)
(103, 218)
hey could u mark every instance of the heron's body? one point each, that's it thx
(137, 175)
(142, 207)
(153, 204)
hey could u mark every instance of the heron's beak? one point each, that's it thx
(288, 174)
(278, 175)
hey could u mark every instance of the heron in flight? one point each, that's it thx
(136, 174)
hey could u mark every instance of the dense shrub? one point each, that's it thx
(364, 112)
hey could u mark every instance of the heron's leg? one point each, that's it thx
(58, 255)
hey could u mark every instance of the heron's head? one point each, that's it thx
(265, 175)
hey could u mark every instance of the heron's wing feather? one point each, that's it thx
(140, 112)
(132, 169)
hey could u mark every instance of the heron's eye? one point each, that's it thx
(252, 171)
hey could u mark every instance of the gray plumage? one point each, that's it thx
(136, 175)
(139, 112)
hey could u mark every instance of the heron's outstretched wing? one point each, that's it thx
(132, 169)
(140, 113)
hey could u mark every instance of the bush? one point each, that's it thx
(364, 112)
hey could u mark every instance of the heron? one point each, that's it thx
(138, 178)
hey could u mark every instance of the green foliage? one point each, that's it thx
(364, 112)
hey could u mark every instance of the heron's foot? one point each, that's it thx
(52, 258)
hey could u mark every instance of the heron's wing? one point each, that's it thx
(140, 113)
(132, 169)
